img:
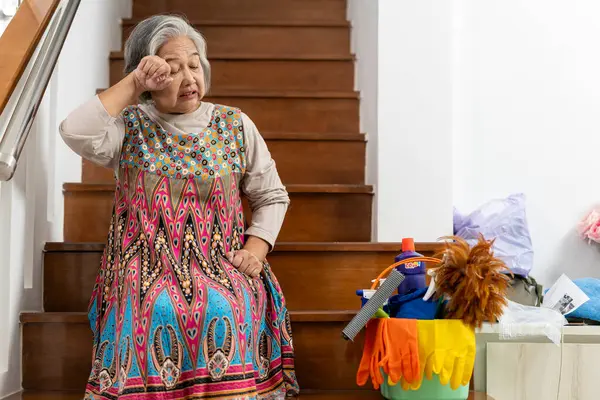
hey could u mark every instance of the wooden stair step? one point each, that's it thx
(334, 316)
(244, 10)
(294, 111)
(302, 37)
(277, 94)
(257, 95)
(333, 112)
(57, 351)
(282, 94)
(244, 56)
(334, 158)
(199, 23)
(316, 137)
(279, 57)
(318, 213)
(297, 112)
(309, 75)
(313, 276)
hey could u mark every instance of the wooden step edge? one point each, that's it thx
(39, 317)
(322, 316)
(82, 317)
(315, 136)
(288, 94)
(71, 187)
(341, 57)
(311, 136)
(280, 247)
(73, 247)
(47, 395)
(118, 56)
(325, 189)
(358, 247)
(257, 23)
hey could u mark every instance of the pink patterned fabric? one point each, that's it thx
(172, 319)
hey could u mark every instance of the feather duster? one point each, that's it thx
(474, 281)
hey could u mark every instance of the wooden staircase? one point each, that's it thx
(287, 64)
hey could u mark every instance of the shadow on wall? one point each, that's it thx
(574, 257)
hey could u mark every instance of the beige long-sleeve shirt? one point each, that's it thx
(95, 135)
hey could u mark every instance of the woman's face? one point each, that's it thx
(184, 94)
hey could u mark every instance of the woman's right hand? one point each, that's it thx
(152, 74)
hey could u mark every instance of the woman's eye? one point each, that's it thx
(174, 72)
(194, 67)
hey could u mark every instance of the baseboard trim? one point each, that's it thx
(13, 396)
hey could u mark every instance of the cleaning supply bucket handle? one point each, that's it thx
(405, 261)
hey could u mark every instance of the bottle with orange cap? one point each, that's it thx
(414, 271)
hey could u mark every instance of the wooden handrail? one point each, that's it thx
(19, 41)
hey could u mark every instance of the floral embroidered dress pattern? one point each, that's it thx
(171, 318)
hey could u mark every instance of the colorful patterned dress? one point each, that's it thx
(172, 319)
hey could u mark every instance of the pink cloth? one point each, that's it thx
(589, 227)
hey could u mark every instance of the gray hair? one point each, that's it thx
(149, 35)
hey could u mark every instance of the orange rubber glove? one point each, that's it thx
(401, 358)
(390, 345)
(373, 353)
(364, 370)
(379, 351)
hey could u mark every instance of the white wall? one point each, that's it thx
(406, 111)
(31, 204)
(364, 15)
(529, 106)
(477, 100)
(82, 68)
(414, 108)
(23, 232)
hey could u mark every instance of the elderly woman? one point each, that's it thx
(184, 306)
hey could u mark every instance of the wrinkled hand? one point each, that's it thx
(246, 262)
(152, 74)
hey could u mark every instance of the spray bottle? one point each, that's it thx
(414, 272)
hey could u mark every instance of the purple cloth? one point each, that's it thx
(505, 221)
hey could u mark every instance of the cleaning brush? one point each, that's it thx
(367, 312)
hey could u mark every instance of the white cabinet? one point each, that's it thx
(543, 371)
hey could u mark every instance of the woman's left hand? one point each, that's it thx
(246, 262)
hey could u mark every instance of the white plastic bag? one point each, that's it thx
(520, 321)
(505, 221)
